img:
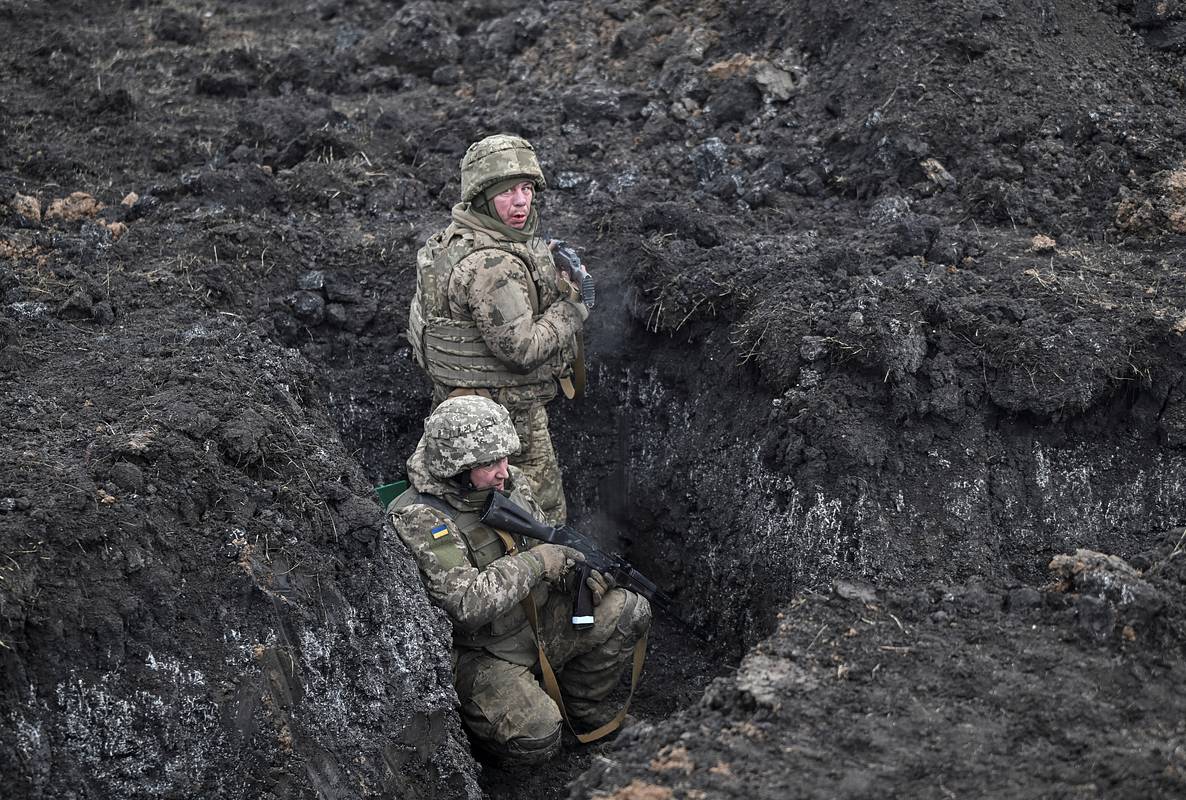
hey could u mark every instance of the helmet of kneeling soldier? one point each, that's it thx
(466, 432)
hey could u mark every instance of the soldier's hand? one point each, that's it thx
(570, 290)
(598, 584)
(556, 558)
(581, 309)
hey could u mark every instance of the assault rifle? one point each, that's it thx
(504, 514)
(570, 263)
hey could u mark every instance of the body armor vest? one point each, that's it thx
(508, 635)
(452, 351)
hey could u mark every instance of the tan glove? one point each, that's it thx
(599, 584)
(556, 559)
(570, 290)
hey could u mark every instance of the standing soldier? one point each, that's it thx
(492, 315)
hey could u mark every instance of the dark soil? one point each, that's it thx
(891, 301)
(940, 691)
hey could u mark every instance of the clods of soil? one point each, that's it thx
(885, 388)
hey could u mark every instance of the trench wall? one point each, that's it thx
(680, 466)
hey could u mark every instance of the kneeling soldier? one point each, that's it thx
(490, 582)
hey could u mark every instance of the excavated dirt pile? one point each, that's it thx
(885, 388)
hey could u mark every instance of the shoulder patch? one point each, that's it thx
(440, 531)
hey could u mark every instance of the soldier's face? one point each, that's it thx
(514, 204)
(490, 476)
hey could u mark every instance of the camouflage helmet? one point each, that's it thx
(495, 159)
(465, 432)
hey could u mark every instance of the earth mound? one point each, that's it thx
(885, 388)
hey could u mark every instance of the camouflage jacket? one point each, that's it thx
(464, 565)
(528, 315)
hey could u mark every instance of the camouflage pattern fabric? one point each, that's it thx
(507, 711)
(473, 599)
(536, 457)
(465, 568)
(446, 340)
(594, 659)
(525, 310)
(505, 287)
(464, 432)
(496, 159)
(537, 460)
(467, 572)
(506, 707)
(494, 288)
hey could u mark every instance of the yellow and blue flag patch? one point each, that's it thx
(440, 530)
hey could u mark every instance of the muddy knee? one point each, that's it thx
(525, 736)
(527, 750)
(507, 712)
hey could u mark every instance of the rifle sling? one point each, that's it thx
(552, 686)
(573, 385)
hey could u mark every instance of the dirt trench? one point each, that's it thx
(760, 553)
(886, 388)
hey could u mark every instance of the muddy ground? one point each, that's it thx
(885, 388)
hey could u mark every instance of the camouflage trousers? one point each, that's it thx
(505, 706)
(537, 456)
(538, 461)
